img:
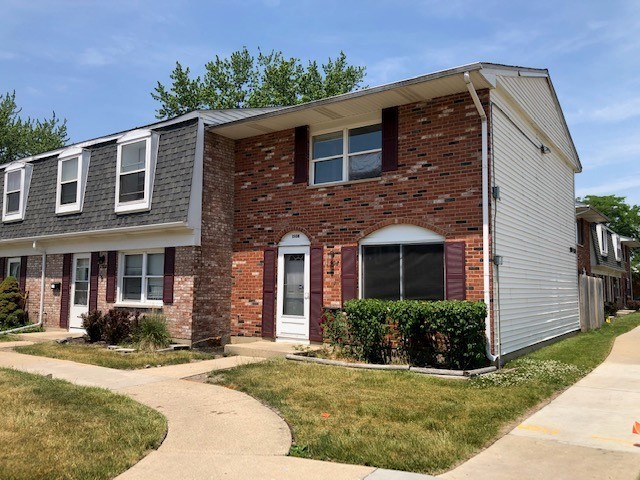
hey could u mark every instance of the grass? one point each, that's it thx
(405, 421)
(95, 355)
(8, 337)
(51, 429)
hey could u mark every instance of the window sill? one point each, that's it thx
(124, 208)
(139, 305)
(348, 182)
(12, 218)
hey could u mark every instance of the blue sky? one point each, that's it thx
(95, 63)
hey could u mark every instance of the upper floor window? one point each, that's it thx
(603, 242)
(579, 232)
(346, 155)
(617, 247)
(17, 178)
(73, 167)
(137, 155)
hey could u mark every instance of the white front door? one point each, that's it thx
(79, 289)
(293, 294)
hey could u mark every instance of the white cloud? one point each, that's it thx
(616, 187)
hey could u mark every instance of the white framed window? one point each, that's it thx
(617, 246)
(140, 278)
(17, 178)
(346, 155)
(135, 171)
(73, 168)
(603, 243)
(13, 267)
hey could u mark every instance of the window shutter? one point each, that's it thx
(316, 274)
(269, 292)
(23, 273)
(454, 258)
(112, 261)
(93, 281)
(65, 290)
(349, 273)
(389, 139)
(169, 272)
(3, 268)
(301, 155)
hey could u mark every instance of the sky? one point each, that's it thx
(96, 63)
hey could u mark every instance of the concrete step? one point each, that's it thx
(266, 349)
(620, 313)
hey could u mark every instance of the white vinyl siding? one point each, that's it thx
(535, 97)
(534, 230)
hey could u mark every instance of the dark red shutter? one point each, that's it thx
(23, 274)
(169, 272)
(3, 268)
(301, 155)
(65, 290)
(454, 259)
(349, 273)
(93, 281)
(269, 292)
(389, 139)
(112, 262)
(316, 273)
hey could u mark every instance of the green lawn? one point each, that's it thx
(8, 337)
(95, 355)
(51, 429)
(406, 421)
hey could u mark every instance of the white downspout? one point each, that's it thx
(42, 285)
(486, 265)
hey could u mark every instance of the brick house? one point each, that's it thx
(604, 254)
(248, 223)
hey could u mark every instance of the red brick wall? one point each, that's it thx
(437, 186)
(212, 302)
(178, 314)
(584, 250)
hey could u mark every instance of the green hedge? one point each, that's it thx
(446, 333)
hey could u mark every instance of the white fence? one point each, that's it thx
(591, 303)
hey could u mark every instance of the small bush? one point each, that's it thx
(93, 323)
(115, 327)
(610, 309)
(334, 328)
(152, 332)
(12, 304)
(444, 333)
(633, 305)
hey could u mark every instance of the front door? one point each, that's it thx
(293, 294)
(79, 289)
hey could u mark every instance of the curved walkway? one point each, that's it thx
(214, 432)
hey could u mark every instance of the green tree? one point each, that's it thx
(243, 80)
(21, 138)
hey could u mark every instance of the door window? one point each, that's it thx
(81, 295)
(293, 285)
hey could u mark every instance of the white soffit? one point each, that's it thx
(357, 103)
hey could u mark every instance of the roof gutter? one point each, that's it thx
(486, 266)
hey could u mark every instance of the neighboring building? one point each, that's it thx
(604, 254)
(457, 184)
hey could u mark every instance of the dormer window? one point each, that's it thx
(73, 167)
(17, 178)
(137, 155)
(603, 243)
(617, 246)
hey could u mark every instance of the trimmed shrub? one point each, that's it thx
(93, 323)
(115, 327)
(152, 332)
(12, 304)
(610, 309)
(447, 333)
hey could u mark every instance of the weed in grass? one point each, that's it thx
(528, 369)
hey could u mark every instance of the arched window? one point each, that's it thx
(401, 262)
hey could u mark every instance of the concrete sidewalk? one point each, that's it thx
(584, 433)
(214, 432)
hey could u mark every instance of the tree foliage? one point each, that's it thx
(243, 80)
(21, 138)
